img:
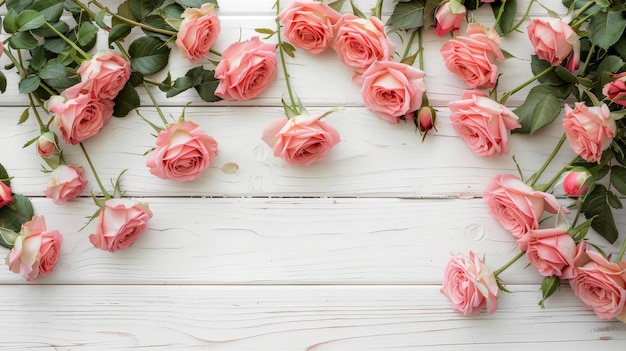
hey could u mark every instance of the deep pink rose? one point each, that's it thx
(300, 140)
(246, 69)
(392, 89)
(449, 17)
(102, 77)
(47, 144)
(66, 182)
(81, 117)
(308, 25)
(473, 57)
(515, 205)
(550, 250)
(589, 130)
(616, 90)
(554, 40)
(183, 151)
(470, 285)
(120, 222)
(601, 286)
(577, 182)
(482, 123)
(198, 31)
(5, 194)
(360, 42)
(36, 250)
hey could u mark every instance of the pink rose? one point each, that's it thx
(482, 123)
(300, 140)
(81, 117)
(580, 259)
(515, 205)
(426, 118)
(183, 151)
(198, 31)
(66, 182)
(616, 90)
(577, 182)
(472, 58)
(392, 89)
(601, 286)
(470, 285)
(47, 144)
(36, 250)
(549, 250)
(449, 17)
(247, 68)
(589, 130)
(360, 42)
(554, 40)
(119, 224)
(5, 194)
(102, 77)
(308, 25)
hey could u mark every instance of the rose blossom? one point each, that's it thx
(183, 151)
(392, 89)
(66, 182)
(198, 31)
(426, 117)
(473, 57)
(360, 42)
(550, 250)
(308, 25)
(81, 117)
(47, 144)
(616, 90)
(5, 194)
(246, 69)
(554, 40)
(449, 16)
(300, 140)
(482, 123)
(120, 222)
(589, 130)
(515, 205)
(576, 182)
(36, 250)
(103, 76)
(601, 286)
(470, 285)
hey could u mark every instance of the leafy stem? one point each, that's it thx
(524, 84)
(67, 40)
(292, 99)
(134, 23)
(500, 13)
(556, 177)
(536, 176)
(508, 264)
(580, 12)
(524, 17)
(95, 174)
(86, 9)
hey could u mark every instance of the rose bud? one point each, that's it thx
(449, 16)
(426, 117)
(5, 194)
(47, 144)
(577, 181)
(616, 90)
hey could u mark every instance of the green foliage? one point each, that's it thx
(119, 32)
(13, 215)
(148, 55)
(605, 28)
(127, 100)
(618, 179)
(549, 285)
(4, 176)
(539, 109)
(596, 206)
(507, 21)
(407, 15)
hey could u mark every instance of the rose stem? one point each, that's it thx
(508, 264)
(621, 252)
(95, 174)
(156, 105)
(523, 85)
(71, 43)
(536, 176)
(134, 23)
(556, 177)
(294, 105)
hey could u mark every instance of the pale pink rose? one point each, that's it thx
(308, 25)
(616, 90)
(300, 140)
(601, 286)
(470, 285)
(47, 144)
(120, 223)
(81, 117)
(473, 57)
(183, 151)
(577, 182)
(360, 42)
(516, 206)
(36, 250)
(426, 118)
(554, 40)
(392, 89)
(247, 68)
(198, 31)
(5, 194)
(449, 17)
(102, 77)
(589, 130)
(482, 123)
(66, 182)
(550, 250)
(580, 259)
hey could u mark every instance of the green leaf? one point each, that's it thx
(119, 32)
(18, 212)
(549, 285)
(407, 15)
(24, 117)
(38, 59)
(29, 19)
(8, 237)
(538, 65)
(56, 75)
(148, 55)
(180, 84)
(3, 82)
(595, 206)
(23, 40)
(46, 32)
(123, 10)
(613, 200)
(289, 49)
(125, 101)
(611, 63)
(172, 11)
(356, 10)
(19, 5)
(539, 109)
(565, 75)
(55, 45)
(620, 46)
(86, 33)
(4, 175)
(51, 9)
(337, 5)
(194, 3)
(205, 83)
(605, 28)
(507, 21)
(158, 22)
(142, 8)
(29, 84)
(618, 179)
(10, 22)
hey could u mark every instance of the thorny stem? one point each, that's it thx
(134, 23)
(95, 174)
(536, 176)
(294, 105)
(508, 264)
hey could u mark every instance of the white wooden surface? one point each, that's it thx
(347, 254)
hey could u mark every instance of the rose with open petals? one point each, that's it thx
(120, 223)
(515, 205)
(482, 123)
(473, 58)
(103, 76)
(198, 31)
(550, 250)
(616, 90)
(36, 250)
(300, 140)
(392, 89)
(308, 25)
(449, 16)
(589, 130)
(470, 285)
(554, 40)
(81, 117)
(247, 68)
(183, 151)
(66, 182)
(5, 194)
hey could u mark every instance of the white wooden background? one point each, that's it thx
(347, 254)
